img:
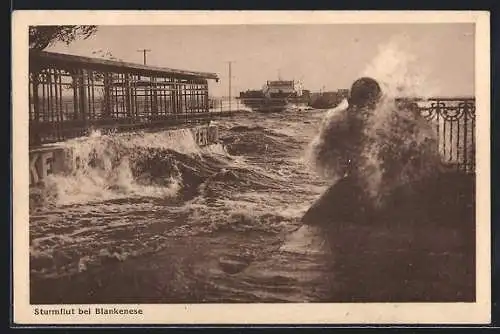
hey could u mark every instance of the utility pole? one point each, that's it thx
(144, 51)
(229, 63)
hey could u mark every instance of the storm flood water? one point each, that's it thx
(157, 218)
(153, 218)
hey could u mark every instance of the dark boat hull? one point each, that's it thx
(269, 104)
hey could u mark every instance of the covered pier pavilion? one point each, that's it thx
(71, 95)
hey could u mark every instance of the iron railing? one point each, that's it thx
(454, 120)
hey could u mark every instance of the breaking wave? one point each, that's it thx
(130, 194)
(398, 144)
(137, 164)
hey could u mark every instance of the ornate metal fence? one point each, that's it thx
(69, 95)
(454, 122)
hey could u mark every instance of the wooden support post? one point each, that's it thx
(76, 105)
(107, 96)
(83, 82)
(154, 97)
(175, 97)
(205, 91)
(128, 94)
(35, 137)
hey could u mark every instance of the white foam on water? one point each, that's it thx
(393, 133)
(102, 167)
(390, 132)
(399, 71)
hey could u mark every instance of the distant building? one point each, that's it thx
(280, 88)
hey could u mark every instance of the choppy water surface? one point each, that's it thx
(190, 224)
(151, 217)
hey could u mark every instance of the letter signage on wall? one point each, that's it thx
(40, 165)
(45, 162)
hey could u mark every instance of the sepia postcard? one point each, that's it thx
(251, 167)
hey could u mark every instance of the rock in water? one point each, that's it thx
(233, 264)
(400, 227)
(344, 201)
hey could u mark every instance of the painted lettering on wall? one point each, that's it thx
(206, 135)
(40, 165)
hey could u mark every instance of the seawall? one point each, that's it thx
(55, 158)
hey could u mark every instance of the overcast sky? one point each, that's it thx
(321, 56)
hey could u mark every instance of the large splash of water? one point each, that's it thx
(116, 166)
(398, 145)
(399, 72)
